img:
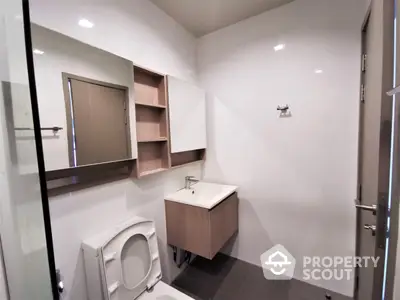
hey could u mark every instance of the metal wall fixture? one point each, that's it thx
(284, 111)
(55, 129)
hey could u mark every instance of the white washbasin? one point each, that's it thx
(203, 194)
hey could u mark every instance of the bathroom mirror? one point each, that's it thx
(85, 98)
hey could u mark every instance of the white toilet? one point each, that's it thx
(123, 264)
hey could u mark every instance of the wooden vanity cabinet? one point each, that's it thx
(199, 230)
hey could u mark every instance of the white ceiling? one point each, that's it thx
(204, 16)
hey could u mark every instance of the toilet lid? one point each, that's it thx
(130, 260)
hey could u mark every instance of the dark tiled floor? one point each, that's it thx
(227, 278)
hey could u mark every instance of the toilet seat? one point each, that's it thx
(122, 263)
(163, 291)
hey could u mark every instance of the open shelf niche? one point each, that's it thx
(152, 129)
(187, 157)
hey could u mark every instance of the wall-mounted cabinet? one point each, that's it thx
(199, 230)
(152, 122)
(187, 107)
(112, 116)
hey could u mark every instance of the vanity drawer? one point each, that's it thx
(199, 230)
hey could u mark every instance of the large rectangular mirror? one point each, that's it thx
(85, 100)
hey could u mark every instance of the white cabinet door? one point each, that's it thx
(187, 114)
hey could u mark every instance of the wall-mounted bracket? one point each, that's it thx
(284, 111)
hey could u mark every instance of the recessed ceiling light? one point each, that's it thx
(279, 47)
(37, 51)
(85, 23)
(318, 71)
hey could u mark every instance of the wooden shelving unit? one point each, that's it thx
(150, 105)
(152, 126)
(161, 139)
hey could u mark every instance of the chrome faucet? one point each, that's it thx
(189, 180)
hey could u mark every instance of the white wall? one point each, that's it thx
(133, 29)
(64, 54)
(139, 32)
(297, 176)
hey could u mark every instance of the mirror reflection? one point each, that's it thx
(85, 100)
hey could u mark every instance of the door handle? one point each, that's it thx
(371, 227)
(372, 208)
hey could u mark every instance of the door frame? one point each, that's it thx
(39, 149)
(359, 151)
(66, 77)
(395, 172)
(382, 283)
